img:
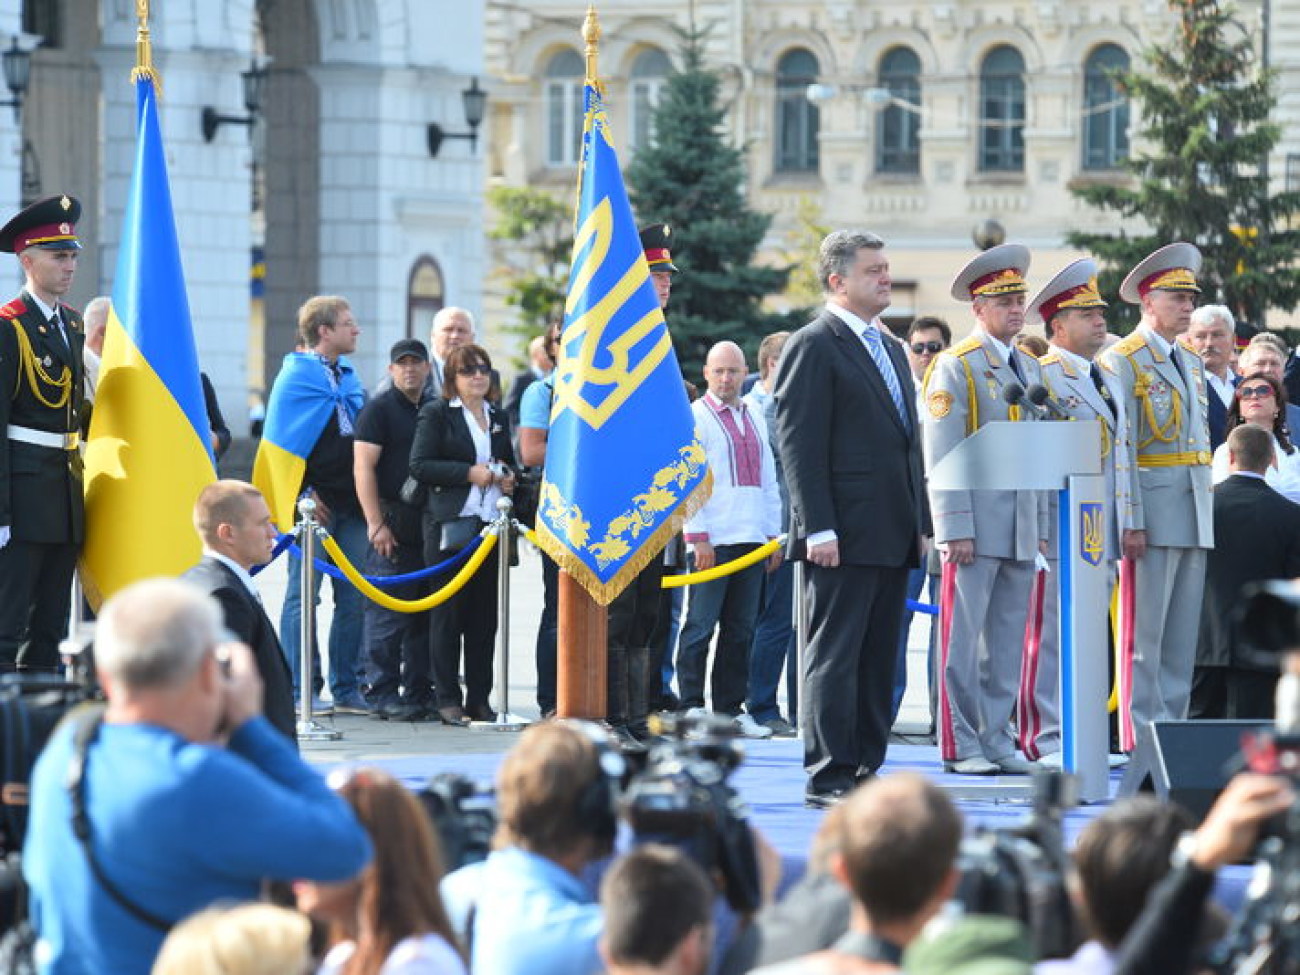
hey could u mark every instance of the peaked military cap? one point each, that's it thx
(1171, 268)
(50, 223)
(1075, 286)
(654, 241)
(998, 271)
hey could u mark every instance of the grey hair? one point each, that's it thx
(442, 314)
(838, 251)
(155, 633)
(1272, 340)
(1207, 314)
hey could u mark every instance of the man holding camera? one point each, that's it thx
(179, 796)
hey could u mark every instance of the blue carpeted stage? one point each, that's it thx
(771, 779)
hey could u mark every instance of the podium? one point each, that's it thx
(1063, 457)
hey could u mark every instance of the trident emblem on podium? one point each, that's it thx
(1091, 531)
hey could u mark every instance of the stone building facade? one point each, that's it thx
(925, 121)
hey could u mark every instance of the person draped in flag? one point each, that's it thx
(42, 510)
(989, 539)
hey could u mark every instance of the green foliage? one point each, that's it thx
(535, 268)
(802, 244)
(692, 180)
(1205, 103)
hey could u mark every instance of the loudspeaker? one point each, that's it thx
(1187, 762)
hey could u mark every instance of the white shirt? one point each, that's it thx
(482, 501)
(421, 954)
(1223, 387)
(1283, 475)
(734, 514)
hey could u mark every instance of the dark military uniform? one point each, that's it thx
(41, 498)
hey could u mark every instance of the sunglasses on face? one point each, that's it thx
(922, 348)
(478, 369)
(1255, 392)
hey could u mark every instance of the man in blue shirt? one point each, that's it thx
(189, 795)
(525, 908)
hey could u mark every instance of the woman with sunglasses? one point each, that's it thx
(390, 920)
(1261, 400)
(462, 452)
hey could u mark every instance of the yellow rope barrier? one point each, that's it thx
(411, 605)
(1112, 703)
(726, 569)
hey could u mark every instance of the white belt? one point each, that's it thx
(44, 438)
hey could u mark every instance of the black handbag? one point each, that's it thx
(459, 532)
(413, 492)
(527, 496)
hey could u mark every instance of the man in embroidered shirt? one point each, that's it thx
(743, 512)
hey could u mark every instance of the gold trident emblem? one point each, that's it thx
(578, 375)
(1092, 535)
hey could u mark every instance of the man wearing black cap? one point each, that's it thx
(42, 517)
(397, 643)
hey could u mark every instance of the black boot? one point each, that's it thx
(638, 692)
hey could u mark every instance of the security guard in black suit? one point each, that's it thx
(42, 516)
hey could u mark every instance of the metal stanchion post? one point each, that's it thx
(80, 632)
(308, 729)
(505, 721)
(800, 628)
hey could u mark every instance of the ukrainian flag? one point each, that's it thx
(302, 402)
(149, 453)
(624, 468)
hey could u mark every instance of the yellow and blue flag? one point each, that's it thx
(149, 453)
(302, 401)
(624, 467)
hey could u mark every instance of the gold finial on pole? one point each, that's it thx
(144, 48)
(591, 35)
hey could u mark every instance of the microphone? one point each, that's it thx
(1039, 395)
(1014, 394)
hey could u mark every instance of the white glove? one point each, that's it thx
(4, 535)
(1041, 563)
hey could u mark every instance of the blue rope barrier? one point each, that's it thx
(926, 608)
(329, 569)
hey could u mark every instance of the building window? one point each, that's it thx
(796, 116)
(44, 17)
(425, 296)
(564, 112)
(1105, 109)
(1002, 111)
(650, 72)
(898, 128)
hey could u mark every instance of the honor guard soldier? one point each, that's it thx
(1072, 312)
(1162, 387)
(989, 539)
(41, 504)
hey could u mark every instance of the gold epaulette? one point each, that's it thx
(1130, 343)
(966, 346)
(1051, 359)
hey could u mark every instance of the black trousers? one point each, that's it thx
(855, 613)
(465, 625)
(1209, 692)
(1251, 693)
(547, 634)
(35, 601)
(632, 618)
(397, 644)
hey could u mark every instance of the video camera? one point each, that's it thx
(464, 814)
(682, 798)
(1020, 872)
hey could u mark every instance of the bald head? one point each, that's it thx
(724, 371)
(452, 328)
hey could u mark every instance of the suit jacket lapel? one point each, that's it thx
(857, 353)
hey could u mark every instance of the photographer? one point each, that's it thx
(462, 452)
(1165, 936)
(525, 910)
(181, 796)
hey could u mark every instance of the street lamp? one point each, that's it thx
(18, 72)
(254, 80)
(474, 100)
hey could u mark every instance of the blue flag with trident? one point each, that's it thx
(624, 467)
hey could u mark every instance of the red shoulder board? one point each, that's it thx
(13, 309)
(77, 311)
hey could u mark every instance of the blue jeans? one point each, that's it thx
(915, 583)
(349, 531)
(732, 602)
(774, 648)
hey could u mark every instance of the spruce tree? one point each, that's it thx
(1204, 101)
(692, 180)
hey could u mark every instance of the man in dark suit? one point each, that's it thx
(235, 524)
(849, 441)
(1210, 336)
(1256, 537)
(42, 515)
